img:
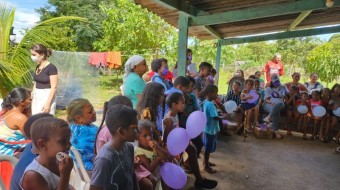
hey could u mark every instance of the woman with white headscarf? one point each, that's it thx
(134, 84)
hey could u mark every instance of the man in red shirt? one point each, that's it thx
(274, 67)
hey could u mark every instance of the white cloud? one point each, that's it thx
(23, 19)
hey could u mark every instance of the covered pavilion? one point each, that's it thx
(235, 22)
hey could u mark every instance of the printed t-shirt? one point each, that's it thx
(273, 68)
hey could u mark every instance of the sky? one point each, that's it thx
(26, 17)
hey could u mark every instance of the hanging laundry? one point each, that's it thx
(114, 59)
(98, 59)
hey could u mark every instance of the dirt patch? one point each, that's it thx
(266, 164)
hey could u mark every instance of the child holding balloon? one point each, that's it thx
(248, 98)
(302, 102)
(315, 102)
(150, 155)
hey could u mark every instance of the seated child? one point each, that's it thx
(114, 164)
(150, 155)
(291, 110)
(304, 100)
(81, 115)
(212, 127)
(260, 91)
(333, 105)
(246, 105)
(27, 156)
(50, 137)
(103, 136)
(326, 120)
(314, 102)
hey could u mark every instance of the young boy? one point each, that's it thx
(114, 164)
(212, 127)
(180, 84)
(202, 80)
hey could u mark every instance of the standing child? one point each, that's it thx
(103, 136)
(50, 137)
(212, 127)
(314, 102)
(114, 164)
(81, 115)
(150, 155)
(202, 80)
(326, 120)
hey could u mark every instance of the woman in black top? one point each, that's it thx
(45, 81)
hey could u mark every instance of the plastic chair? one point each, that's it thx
(79, 177)
(7, 164)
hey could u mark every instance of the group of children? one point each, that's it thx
(322, 126)
(127, 151)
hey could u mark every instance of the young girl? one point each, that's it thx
(150, 155)
(333, 105)
(50, 137)
(103, 136)
(326, 120)
(245, 105)
(314, 102)
(258, 76)
(304, 100)
(81, 115)
(291, 112)
(150, 106)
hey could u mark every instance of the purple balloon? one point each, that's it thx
(177, 141)
(195, 124)
(173, 175)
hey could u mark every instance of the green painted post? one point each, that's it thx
(183, 24)
(218, 62)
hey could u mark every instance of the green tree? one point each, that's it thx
(16, 65)
(85, 32)
(132, 29)
(325, 61)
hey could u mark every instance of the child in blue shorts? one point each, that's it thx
(212, 127)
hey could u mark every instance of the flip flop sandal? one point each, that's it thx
(337, 150)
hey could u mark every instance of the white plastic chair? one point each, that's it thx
(80, 179)
(10, 159)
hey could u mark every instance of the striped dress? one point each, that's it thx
(9, 135)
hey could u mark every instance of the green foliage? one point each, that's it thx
(61, 37)
(132, 29)
(325, 61)
(85, 32)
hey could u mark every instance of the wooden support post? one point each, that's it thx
(218, 62)
(183, 25)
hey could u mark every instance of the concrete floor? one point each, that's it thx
(290, 163)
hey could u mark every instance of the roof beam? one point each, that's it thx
(281, 35)
(212, 32)
(180, 5)
(260, 12)
(299, 19)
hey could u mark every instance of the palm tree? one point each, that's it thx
(16, 65)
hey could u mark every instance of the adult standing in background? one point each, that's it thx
(273, 67)
(313, 84)
(45, 81)
(133, 83)
(191, 68)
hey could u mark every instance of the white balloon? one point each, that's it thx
(230, 106)
(302, 109)
(319, 111)
(337, 112)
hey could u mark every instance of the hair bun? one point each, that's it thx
(49, 52)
